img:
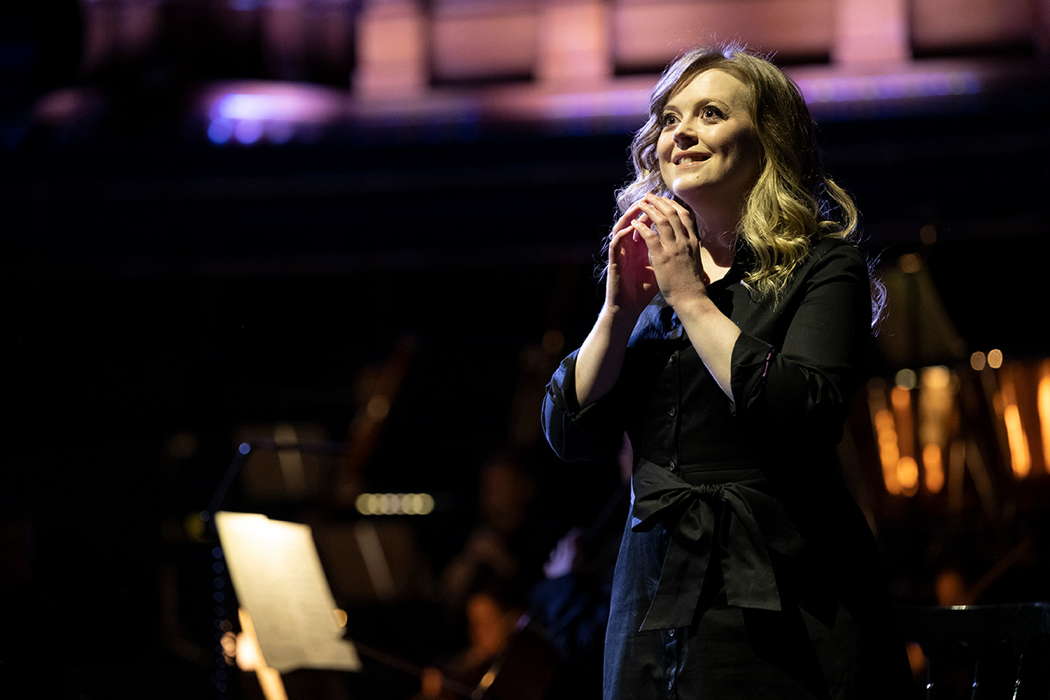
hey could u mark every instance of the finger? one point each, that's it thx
(619, 234)
(625, 225)
(630, 213)
(651, 238)
(662, 223)
(685, 215)
(616, 243)
(620, 247)
(674, 219)
(627, 232)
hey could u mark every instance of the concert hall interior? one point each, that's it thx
(318, 259)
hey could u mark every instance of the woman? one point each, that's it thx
(735, 327)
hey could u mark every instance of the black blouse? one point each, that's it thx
(793, 367)
(745, 492)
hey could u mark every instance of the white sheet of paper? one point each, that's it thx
(279, 580)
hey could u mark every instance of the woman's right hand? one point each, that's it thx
(630, 283)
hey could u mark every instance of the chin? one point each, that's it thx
(692, 191)
(704, 191)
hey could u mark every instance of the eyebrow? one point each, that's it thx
(703, 101)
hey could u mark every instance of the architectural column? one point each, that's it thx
(870, 32)
(574, 42)
(392, 55)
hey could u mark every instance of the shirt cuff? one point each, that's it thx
(562, 390)
(749, 366)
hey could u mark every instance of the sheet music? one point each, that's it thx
(279, 580)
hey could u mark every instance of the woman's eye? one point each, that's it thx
(710, 112)
(668, 119)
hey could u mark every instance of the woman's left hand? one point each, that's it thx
(674, 249)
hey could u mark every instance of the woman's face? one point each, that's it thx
(708, 147)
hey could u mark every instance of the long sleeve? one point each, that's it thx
(592, 433)
(808, 381)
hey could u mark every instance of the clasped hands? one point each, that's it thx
(654, 246)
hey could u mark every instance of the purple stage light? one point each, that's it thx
(247, 131)
(253, 112)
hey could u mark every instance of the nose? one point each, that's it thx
(684, 134)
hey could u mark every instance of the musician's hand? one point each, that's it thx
(563, 556)
(674, 249)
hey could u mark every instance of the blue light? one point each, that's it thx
(244, 448)
(220, 130)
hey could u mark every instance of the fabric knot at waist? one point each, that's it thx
(709, 490)
(728, 514)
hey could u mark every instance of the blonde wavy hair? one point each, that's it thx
(793, 203)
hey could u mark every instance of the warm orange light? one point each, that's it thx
(916, 658)
(995, 359)
(978, 360)
(889, 453)
(1020, 458)
(908, 475)
(1043, 407)
(885, 434)
(936, 377)
(900, 398)
(950, 588)
(250, 658)
(933, 467)
(936, 403)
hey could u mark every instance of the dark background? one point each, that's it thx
(157, 285)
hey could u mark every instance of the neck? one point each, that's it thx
(718, 236)
(720, 244)
(718, 216)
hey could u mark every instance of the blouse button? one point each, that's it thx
(673, 464)
(672, 411)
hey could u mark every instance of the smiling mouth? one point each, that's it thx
(687, 159)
